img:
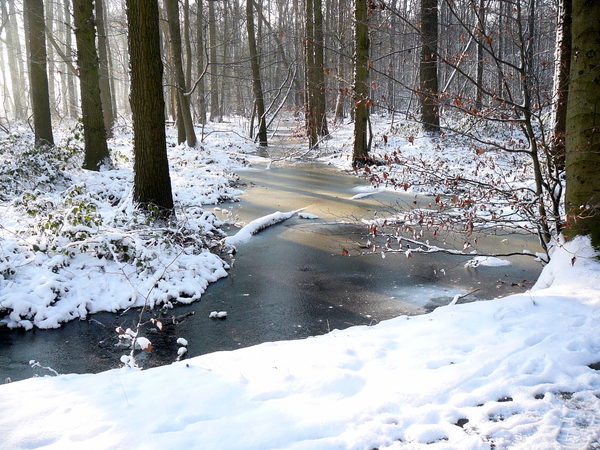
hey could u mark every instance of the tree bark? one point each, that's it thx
(480, 43)
(428, 75)
(96, 150)
(310, 79)
(38, 74)
(583, 120)
(201, 63)
(183, 108)
(360, 154)
(14, 63)
(151, 182)
(256, 79)
(214, 85)
(71, 89)
(105, 91)
(562, 66)
(319, 70)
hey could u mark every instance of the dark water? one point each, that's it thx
(290, 281)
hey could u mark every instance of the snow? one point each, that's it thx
(256, 225)
(489, 261)
(218, 315)
(520, 372)
(509, 373)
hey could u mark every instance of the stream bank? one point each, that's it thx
(289, 281)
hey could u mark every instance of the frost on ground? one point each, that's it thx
(514, 373)
(72, 244)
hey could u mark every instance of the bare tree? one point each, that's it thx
(562, 67)
(256, 78)
(152, 182)
(360, 153)
(38, 72)
(183, 105)
(103, 70)
(96, 149)
(428, 88)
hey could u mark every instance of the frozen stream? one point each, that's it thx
(290, 281)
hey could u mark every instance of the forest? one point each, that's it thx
(495, 74)
(507, 79)
(451, 66)
(134, 134)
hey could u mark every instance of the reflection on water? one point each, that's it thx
(290, 281)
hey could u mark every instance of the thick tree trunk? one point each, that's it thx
(183, 108)
(96, 150)
(105, 90)
(428, 89)
(562, 67)
(360, 154)
(583, 125)
(151, 182)
(38, 75)
(256, 79)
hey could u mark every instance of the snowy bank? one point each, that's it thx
(518, 372)
(72, 244)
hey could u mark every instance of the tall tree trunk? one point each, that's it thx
(480, 44)
(187, 41)
(562, 67)
(172, 7)
(428, 88)
(201, 60)
(63, 68)
(360, 154)
(224, 89)
(105, 90)
(256, 79)
(341, 85)
(14, 63)
(319, 70)
(583, 125)
(71, 77)
(49, 21)
(310, 79)
(214, 85)
(38, 75)
(151, 181)
(96, 150)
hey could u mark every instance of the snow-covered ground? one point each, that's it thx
(509, 373)
(517, 372)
